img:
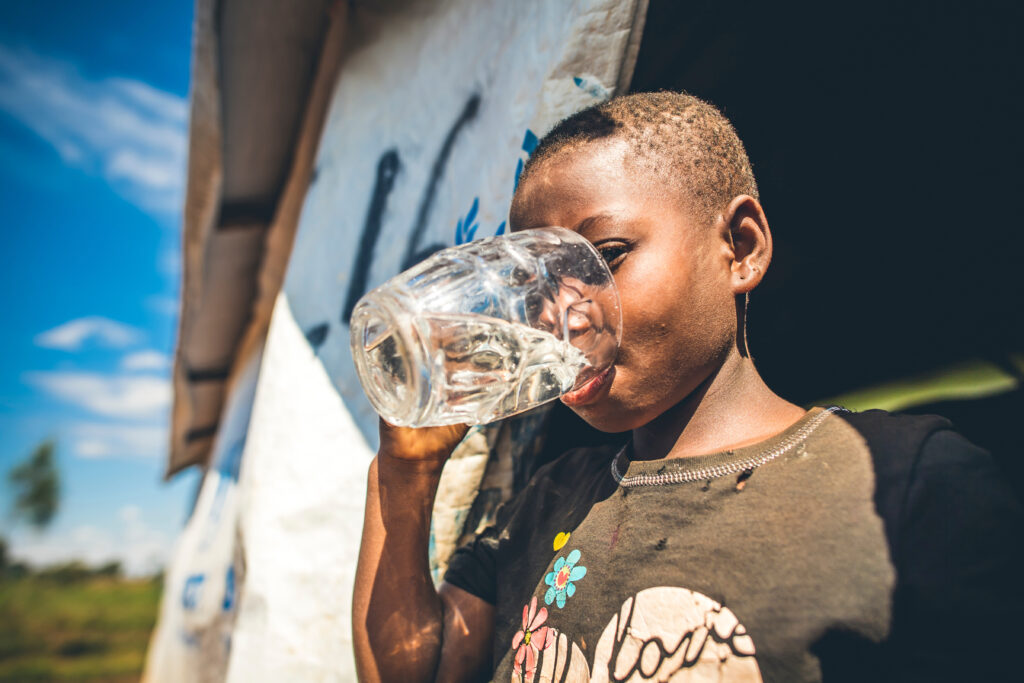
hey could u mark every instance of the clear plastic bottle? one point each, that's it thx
(487, 329)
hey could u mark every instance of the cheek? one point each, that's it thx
(652, 304)
(647, 331)
(675, 320)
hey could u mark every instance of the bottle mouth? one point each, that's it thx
(389, 359)
(588, 301)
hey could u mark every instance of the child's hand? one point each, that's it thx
(423, 445)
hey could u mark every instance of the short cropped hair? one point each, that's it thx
(688, 141)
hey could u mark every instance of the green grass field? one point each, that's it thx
(94, 629)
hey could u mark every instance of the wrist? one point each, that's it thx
(430, 467)
(408, 486)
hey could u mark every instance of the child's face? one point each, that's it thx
(678, 310)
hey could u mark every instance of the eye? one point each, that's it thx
(613, 253)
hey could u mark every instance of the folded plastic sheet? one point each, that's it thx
(437, 107)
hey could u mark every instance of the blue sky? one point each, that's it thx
(93, 125)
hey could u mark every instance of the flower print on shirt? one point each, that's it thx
(561, 579)
(530, 639)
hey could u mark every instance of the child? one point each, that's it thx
(736, 536)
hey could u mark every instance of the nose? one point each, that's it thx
(577, 317)
(572, 315)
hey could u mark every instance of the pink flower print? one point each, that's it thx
(531, 639)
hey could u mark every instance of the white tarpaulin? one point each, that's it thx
(198, 610)
(437, 106)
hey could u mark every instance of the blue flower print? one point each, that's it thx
(561, 579)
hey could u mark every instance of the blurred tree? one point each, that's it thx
(36, 484)
(111, 569)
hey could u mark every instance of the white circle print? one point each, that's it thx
(674, 635)
(664, 634)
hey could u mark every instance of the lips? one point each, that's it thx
(590, 391)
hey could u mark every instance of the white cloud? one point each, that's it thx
(131, 165)
(71, 335)
(122, 396)
(89, 448)
(146, 360)
(141, 549)
(130, 514)
(126, 131)
(157, 102)
(119, 440)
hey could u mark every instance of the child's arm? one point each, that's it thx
(403, 630)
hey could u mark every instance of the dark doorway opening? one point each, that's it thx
(886, 139)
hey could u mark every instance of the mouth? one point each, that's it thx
(590, 391)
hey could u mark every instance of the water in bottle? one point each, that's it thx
(486, 330)
(491, 367)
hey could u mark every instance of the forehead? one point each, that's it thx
(578, 182)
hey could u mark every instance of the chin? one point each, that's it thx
(609, 416)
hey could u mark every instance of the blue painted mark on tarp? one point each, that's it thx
(231, 462)
(388, 167)
(592, 88)
(190, 594)
(530, 142)
(466, 227)
(415, 252)
(229, 589)
(317, 335)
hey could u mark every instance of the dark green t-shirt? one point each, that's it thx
(850, 547)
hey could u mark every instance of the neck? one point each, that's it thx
(732, 408)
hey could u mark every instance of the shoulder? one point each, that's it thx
(947, 507)
(915, 449)
(897, 445)
(895, 441)
(573, 474)
(953, 525)
(575, 463)
(930, 481)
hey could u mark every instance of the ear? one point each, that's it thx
(748, 234)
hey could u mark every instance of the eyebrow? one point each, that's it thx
(591, 222)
